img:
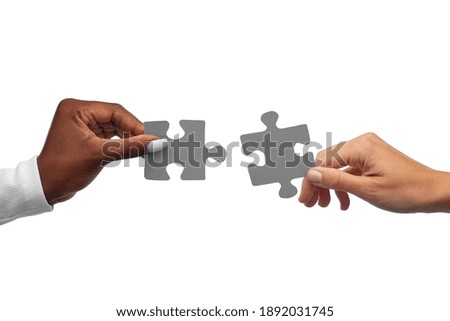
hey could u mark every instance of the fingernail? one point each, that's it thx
(314, 176)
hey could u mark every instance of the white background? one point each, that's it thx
(342, 66)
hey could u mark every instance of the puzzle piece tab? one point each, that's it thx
(282, 163)
(189, 151)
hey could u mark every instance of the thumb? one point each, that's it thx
(116, 149)
(336, 179)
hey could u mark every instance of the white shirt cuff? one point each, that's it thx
(21, 192)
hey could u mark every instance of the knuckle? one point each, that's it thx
(371, 136)
(66, 104)
(117, 106)
(337, 179)
(367, 141)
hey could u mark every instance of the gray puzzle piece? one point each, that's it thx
(188, 151)
(282, 163)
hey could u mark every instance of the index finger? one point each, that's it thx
(352, 153)
(116, 113)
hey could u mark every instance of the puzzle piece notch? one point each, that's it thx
(272, 142)
(189, 151)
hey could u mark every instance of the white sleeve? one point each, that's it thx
(21, 192)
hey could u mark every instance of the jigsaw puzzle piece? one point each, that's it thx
(217, 152)
(158, 128)
(282, 163)
(190, 152)
(276, 136)
(157, 174)
(295, 134)
(156, 163)
(250, 142)
(270, 120)
(282, 174)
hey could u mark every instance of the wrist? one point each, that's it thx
(49, 183)
(439, 192)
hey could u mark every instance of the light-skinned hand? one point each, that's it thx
(376, 172)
